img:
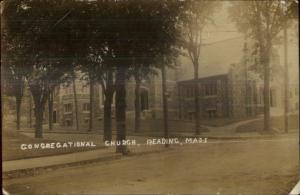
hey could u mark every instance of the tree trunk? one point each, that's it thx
(107, 116)
(18, 110)
(50, 109)
(30, 111)
(267, 90)
(196, 99)
(39, 99)
(286, 81)
(247, 94)
(39, 91)
(38, 121)
(265, 49)
(109, 94)
(121, 109)
(75, 103)
(137, 104)
(165, 104)
(91, 104)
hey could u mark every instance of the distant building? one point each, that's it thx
(213, 97)
(220, 96)
(66, 105)
(63, 114)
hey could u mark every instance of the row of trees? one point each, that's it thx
(45, 42)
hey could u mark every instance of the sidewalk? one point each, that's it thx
(218, 133)
(31, 166)
(47, 161)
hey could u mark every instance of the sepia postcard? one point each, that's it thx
(150, 97)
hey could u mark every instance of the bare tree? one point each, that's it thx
(195, 19)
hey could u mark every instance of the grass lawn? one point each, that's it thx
(276, 122)
(12, 140)
(219, 122)
(156, 125)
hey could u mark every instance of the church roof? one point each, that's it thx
(219, 76)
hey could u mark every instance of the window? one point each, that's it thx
(68, 107)
(211, 113)
(191, 115)
(192, 91)
(210, 89)
(199, 88)
(68, 123)
(65, 90)
(187, 92)
(84, 89)
(86, 107)
(68, 90)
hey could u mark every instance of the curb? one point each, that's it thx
(44, 169)
(38, 170)
(49, 160)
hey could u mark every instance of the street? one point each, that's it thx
(267, 166)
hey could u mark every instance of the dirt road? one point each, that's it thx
(227, 167)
